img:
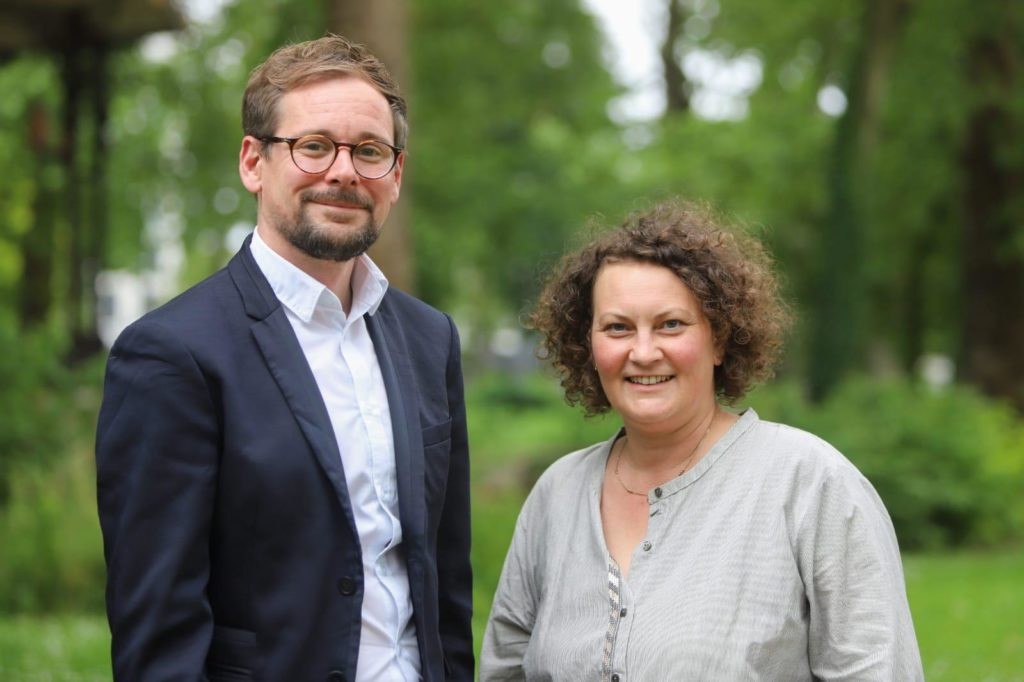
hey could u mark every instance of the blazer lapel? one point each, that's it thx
(287, 364)
(388, 342)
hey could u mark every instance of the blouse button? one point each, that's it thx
(647, 545)
(657, 492)
(615, 677)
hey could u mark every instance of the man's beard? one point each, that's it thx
(317, 241)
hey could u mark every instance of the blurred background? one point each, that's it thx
(877, 147)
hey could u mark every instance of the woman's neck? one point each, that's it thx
(653, 454)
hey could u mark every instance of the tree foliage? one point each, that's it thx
(872, 215)
(897, 223)
(511, 146)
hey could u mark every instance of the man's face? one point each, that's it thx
(335, 215)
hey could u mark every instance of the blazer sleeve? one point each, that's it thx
(156, 461)
(455, 576)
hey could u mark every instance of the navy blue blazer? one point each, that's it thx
(231, 548)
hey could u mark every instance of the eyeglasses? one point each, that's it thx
(314, 154)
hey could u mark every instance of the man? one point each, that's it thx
(281, 452)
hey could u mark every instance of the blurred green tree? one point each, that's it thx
(514, 148)
(896, 217)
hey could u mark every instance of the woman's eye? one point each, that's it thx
(673, 324)
(615, 327)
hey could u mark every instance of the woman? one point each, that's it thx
(695, 544)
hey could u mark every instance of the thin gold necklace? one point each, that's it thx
(618, 459)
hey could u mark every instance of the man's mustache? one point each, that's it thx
(338, 196)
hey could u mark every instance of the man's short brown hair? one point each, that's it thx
(294, 65)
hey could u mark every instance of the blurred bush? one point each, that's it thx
(949, 463)
(521, 422)
(49, 531)
(35, 400)
(52, 557)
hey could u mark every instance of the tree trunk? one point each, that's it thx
(71, 76)
(382, 26)
(86, 191)
(37, 248)
(837, 337)
(677, 90)
(993, 257)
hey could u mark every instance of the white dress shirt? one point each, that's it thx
(340, 352)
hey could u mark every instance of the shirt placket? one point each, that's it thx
(382, 470)
(630, 593)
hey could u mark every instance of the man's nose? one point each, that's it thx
(342, 171)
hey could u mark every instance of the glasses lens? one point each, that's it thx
(314, 153)
(373, 159)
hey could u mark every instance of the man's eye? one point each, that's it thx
(370, 151)
(312, 147)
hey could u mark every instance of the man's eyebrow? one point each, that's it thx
(362, 137)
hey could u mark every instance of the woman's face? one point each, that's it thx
(652, 346)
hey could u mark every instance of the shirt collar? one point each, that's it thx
(304, 295)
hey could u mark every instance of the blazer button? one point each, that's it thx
(335, 676)
(346, 588)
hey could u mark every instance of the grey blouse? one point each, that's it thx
(772, 559)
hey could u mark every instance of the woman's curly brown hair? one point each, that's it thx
(730, 273)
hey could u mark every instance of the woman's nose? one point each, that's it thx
(645, 348)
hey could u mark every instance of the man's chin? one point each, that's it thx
(324, 246)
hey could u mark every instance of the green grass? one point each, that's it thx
(69, 648)
(969, 615)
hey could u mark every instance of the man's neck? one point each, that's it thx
(335, 275)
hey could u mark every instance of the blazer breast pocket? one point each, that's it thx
(438, 433)
(436, 451)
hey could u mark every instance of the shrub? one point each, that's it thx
(948, 464)
(49, 533)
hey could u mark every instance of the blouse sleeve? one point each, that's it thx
(513, 612)
(860, 624)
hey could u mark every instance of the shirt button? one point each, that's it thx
(647, 545)
(615, 677)
(346, 587)
(657, 492)
(622, 613)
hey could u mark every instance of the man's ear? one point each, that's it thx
(397, 172)
(250, 164)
